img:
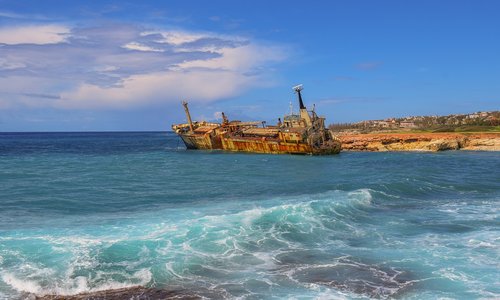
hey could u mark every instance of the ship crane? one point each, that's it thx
(188, 115)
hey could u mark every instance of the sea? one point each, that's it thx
(86, 212)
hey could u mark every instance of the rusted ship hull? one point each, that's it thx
(205, 142)
(256, 145)
(275, 147)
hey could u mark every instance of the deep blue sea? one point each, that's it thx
(93, 211)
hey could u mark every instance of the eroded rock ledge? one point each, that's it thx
(135, 293)
(420, 141)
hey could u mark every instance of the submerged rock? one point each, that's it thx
(347, 274)
(368, 280)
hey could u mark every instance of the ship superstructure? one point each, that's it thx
(302, 133)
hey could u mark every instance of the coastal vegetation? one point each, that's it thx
(474, 122)
(476, 131)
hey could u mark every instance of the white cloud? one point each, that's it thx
(140, 47)
(199, 80)
(242, 58)
(106, 68)
(7, 64)
(122, 66)
(176, 37)
(34, 34)
(173, 86)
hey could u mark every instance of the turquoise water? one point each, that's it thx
(94, 211)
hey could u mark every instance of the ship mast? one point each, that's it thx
(188, 115)
(297, 89)
(303, 111)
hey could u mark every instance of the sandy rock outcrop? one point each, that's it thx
(420, 141)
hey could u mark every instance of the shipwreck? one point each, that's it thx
(302, 133)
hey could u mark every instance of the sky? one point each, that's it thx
(127, 65)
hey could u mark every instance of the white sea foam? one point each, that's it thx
(170, 268)
(267, 258)
(361, 196)
(453, 274)
(29, 277)
(250, 215)
(483, 244)
(160, 231)
(29, 286)
(73, 286)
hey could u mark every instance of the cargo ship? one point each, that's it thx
(302, 133)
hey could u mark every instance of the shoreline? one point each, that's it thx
(430, 142)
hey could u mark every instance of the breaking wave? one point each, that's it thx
(71, 285)
(214, 250)
(331, 244)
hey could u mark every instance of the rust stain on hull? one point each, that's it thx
(273, 147)
(206, 142)
(302, 133)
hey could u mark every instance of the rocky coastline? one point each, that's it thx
(380, 142)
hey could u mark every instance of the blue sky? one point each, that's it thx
(118, 65)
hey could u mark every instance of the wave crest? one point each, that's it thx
(154, 251)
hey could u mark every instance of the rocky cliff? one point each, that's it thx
(420, 141)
